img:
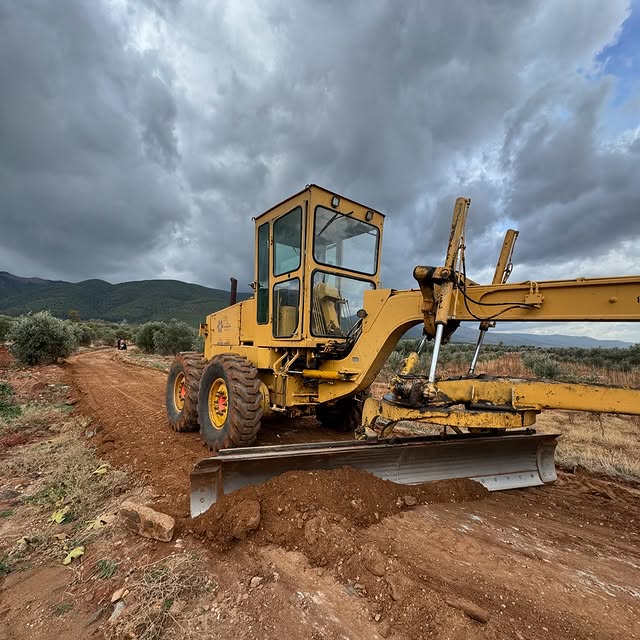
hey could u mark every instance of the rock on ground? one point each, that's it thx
(146, 522)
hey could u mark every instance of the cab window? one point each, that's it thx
(287, 241)
(262, 291)
(343, 241)
(286, 308)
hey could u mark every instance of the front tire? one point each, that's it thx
(229, 402)
(181, 398)
(344, 415)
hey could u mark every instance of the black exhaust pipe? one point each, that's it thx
(233, 295)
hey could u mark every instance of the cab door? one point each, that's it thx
(287, 273)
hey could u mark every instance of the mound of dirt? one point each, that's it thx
(318, 512)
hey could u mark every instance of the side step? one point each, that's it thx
(510, 461)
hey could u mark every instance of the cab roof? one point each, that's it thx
(311, 188)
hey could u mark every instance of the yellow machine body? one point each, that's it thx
(319, 329)
(320, 326)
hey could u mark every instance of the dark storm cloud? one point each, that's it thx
(571, 195)
(138, 139)
(87, 136)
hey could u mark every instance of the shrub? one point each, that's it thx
(39, 338)
(173, 337)
(542, 365)
(83, 334)
(106, 336)
(145, 334)
(5, 326)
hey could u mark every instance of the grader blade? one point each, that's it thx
(509, 461)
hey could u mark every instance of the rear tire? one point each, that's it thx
(229, 402)
(181, 397)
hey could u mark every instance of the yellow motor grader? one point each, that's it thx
(318, 330)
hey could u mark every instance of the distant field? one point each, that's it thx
(601, 443)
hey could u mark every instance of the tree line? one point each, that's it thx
(41, 338)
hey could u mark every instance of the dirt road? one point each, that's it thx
(561, 561)
(128, 404)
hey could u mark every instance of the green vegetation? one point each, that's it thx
(175, 336)
(40, 338)
(543, 365)
(62, 608)
(166, 338)
(83, 334)
(7, 407)
(135, 302)
(5, 567)
(145, 336)
(544, 362)
(615, 366)
(106, 568)
(5, 326)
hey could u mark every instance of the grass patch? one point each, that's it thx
(33, 418)
(72, 480)
(601, 443)
(8, 409)
(159, 586)
(5, 566)
(62, 608)
(63, 474)
(7, 513)
(106, 568)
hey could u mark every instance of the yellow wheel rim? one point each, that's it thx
(179, 391)
(218, 403)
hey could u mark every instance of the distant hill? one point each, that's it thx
(134, 302)
(467, 334)
(470, 335)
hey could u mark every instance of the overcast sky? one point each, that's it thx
(138, 138)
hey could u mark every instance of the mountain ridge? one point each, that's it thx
(134, 301)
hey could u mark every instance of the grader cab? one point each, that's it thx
(318, 330)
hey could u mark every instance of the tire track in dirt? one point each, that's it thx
(128, 404)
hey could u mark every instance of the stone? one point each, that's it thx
(373, 560)
(245, 518)
(384, 629)
(117, 611)
(255, 581)
(146, 522)
(8, 504)
(177, 607)
(119, 594)
(9, 495)
(37, 388)
(95, 616)
(470, 609)
(410, 501)
(399, 586)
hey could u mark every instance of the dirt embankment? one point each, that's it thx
(341, 554)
